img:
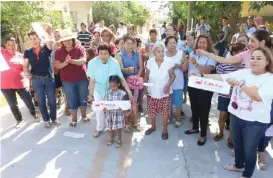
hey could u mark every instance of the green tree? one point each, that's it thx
(212, 10)
(258, 5)
(113, 12)
(16, 17)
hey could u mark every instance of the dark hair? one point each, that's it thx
(268, 55)
(263, 35)
(237, 48)
(209, 41)
(8, 39)
(204, 18)
(91, 53)
(128, 37)
(121, 23)
(152, 31)
(168, 38)
(104, 47)
(224, 18)
(118, 40)
(73, 42)
(138, 41)
(83, 24)
(32, 33)
(116, 79)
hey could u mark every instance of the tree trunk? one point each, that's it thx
(233, 22)
(189, 18)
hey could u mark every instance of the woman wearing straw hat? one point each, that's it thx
(71, 60)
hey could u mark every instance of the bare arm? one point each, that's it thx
(172, 77)
(185, 64)
(126, 87)
(91, 88)
(124, 70)
(26, 68)
(233, 40)
(60, 65)
(79, 62)
(140, 61)
(252, 93)
(231, 60)
(205, 70)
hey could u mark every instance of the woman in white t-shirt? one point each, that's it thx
(160, 73)
(242, 31)
(176, 56)
(250, 107)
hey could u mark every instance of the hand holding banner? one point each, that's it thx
(209, 85)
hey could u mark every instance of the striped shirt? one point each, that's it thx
(225, 69)
(85, 39)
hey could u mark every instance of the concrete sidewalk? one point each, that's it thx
(33, 151)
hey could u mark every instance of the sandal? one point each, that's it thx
(36, 118)
(218, 137)
(47, 125)
(56, 123)
(165, 136)
(110, 142)
(177, 124)
(126, 129)
(169, 121)
(119, 143)
(262, 166)
(73, 124)
(231, 167)
(86, 120)
(137, 127)
(96, 134)
(149, 131)
(140, 109)
(189, 132)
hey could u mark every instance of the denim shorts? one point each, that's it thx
(76, 94)
(177, 98)
(223, 104)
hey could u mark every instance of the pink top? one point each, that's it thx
(245, 58)
(13, 78)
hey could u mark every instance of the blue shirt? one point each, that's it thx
(203, 61)
(41, 66)
(130, 61)
(101, 72)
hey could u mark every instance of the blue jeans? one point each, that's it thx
(246, 136)
(265, 140)
(76, 94)
(43, 87)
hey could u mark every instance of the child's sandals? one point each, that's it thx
(119, 143)
(110, 142)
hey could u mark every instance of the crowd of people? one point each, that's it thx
(97, 64)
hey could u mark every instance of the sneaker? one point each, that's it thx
(19, 123)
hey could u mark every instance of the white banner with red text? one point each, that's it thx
(209, 85)
(110, 105)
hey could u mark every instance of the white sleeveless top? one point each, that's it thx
(179, 79)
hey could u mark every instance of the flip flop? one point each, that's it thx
(119, 143)
(149, 131)
(73, 124)
(231, 167)
(177, 124)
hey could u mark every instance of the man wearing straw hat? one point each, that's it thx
(71, 60)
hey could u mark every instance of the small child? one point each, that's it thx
(115, 118)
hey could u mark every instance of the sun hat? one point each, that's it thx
(66, 35)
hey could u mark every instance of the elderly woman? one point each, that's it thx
(14, 82)
(160, 72)
(200, 99)
(176, 57)
(99, 71)
(131, 64)
(71, 59)
(107, 37)
(42, 77)
(250, 108)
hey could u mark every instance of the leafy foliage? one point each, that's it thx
(16, 17)
(258, 5)
(113, 12)
(212, 10)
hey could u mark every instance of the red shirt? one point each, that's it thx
(13, 78)
(72, 72)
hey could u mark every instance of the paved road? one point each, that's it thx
(34, 151)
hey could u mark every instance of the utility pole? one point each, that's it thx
(189, 19)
